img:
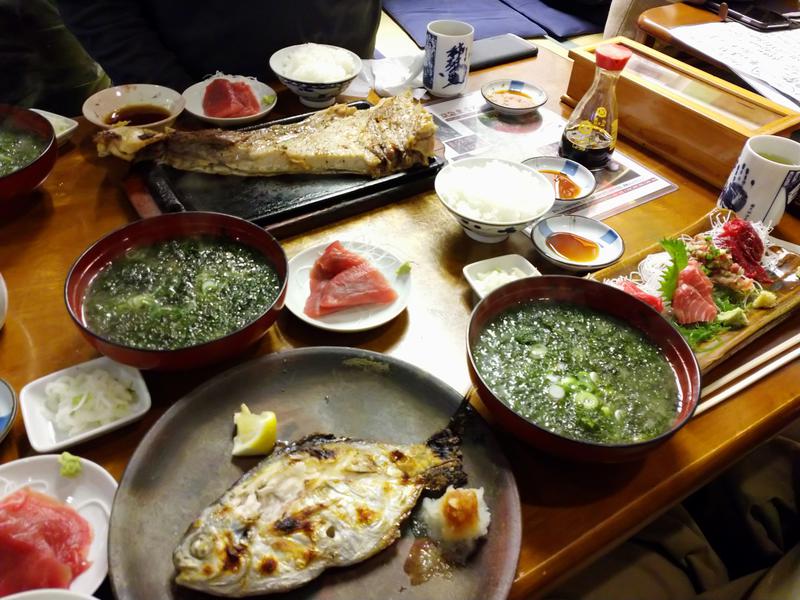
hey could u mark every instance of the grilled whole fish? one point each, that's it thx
(317, 503)
(393, 135)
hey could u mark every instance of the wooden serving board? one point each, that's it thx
(717, 350)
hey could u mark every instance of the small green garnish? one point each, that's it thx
(680, 259)
(268, 99)
(404, 269)
(70, 465)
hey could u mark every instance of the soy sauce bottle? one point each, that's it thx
(591, 132)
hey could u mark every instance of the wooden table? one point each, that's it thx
(571, 513)
(656, 24)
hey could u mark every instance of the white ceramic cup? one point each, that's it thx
(448, 46)
(765, 179)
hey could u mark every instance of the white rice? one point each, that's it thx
(494, 193)
(315, 63)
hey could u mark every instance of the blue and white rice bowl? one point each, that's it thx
(580, 175)
(313, 94)
(478, 193)
(610, 243)
(537, 95)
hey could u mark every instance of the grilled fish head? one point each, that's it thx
(319, 502)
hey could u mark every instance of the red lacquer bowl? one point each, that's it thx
(167, 227)
(601, 298)
(16, 185)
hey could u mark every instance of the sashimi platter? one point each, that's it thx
(274, 461)
(722, 282)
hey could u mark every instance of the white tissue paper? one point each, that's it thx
(389, 77)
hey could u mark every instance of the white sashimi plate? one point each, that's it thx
(49, 594)
(359, 318)
(195, 93)
(91, 494)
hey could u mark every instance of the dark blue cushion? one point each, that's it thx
(488, 17)
(557, 23)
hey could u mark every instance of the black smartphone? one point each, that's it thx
(500, 49)
(755, 17)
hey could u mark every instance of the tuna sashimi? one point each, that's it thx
(626, 285)
(333, 261)
(342, 279)
(693, 275)
(692, 301)
(225, 99)
(28, 562)
(359, 285)
(746, 248)
(43, 543)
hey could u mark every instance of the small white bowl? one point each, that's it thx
(98, 106)
(580, 175)
(609, 242)
(492, 233)
(507, 262)
(8, 408)
(63, 126)
(194, 100)
(42, 432)
(314, 95)
(537, 96)
(91, 494)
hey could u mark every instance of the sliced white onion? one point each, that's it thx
(87, 400)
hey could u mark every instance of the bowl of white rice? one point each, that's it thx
(317, 73)
(492, 198)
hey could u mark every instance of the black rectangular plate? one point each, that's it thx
(272, 200)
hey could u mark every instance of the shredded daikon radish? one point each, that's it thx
(87, 400)
(651, 270)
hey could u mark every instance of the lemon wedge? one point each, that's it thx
(255, 433)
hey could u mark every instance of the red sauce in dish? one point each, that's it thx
(566, 189)
(512, 99)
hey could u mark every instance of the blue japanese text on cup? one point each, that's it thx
(765, 180)
(448, 46)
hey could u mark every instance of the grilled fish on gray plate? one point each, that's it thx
(396, 134)
(319, 502)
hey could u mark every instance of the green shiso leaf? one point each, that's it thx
(680, 259)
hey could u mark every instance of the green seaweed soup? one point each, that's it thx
(578, 373)
(180, 293)
(18, 149)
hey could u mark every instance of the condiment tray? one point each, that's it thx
(63, 126)
(473, 271)
(43, 434)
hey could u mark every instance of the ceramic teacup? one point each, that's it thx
(765, 179)
(448, 46)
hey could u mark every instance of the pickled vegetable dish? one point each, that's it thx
(18, 149)
(578, 373)
(180, 293)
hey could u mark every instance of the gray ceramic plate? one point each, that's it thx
(184, 463)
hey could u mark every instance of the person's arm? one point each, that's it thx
(116, 35)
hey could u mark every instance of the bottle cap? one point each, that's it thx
(612, 57)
